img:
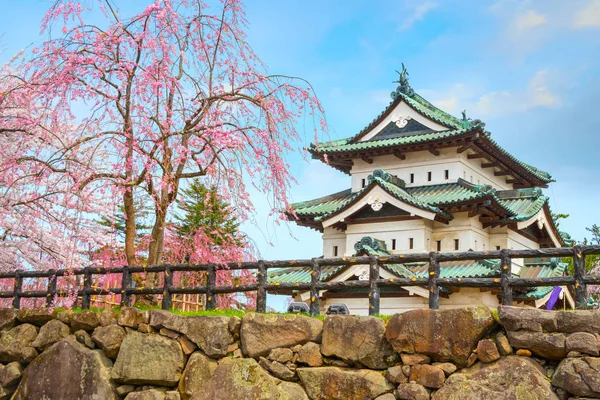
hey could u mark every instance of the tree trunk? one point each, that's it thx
(130, 230)
(155, 249)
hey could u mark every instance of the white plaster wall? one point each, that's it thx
(422, 162)
(402, 231)
(333, 237)
(469, 232)
(388, 305)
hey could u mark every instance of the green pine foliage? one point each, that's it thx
(203, 209)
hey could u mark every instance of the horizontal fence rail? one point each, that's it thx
(505, 281)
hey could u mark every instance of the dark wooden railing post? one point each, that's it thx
(18, 289)
(434, 273)
(315, 278)
(125, 284)
(52, 278)
(211, 282)
(505, 276)
(374, 295)
(261, 293)
(167, 300)
(86, 297)
(579, 272)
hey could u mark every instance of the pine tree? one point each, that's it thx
(202, 208)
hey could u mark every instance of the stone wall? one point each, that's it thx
(470, 353)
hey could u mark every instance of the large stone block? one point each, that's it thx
(243, 378)
(52, 332)
(146, 359)
(443, 335)
(578, 321)
(86, 320)
(546, 345)
(510, 378)
(342, 384)
(131, 317)
(212, 335)
(8, 316)
(35, 316)
(354, 338)
(529, 319)
(67, 370)
(16, 344)
(198, 371)
(260, 333)
(109, 339)
(579, 376)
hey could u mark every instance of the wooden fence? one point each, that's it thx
(506, 281)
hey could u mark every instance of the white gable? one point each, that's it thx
(400, 113)
(376, 197)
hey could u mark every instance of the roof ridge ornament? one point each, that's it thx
(403, 87)
(471, 123)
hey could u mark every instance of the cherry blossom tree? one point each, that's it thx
(140, 104)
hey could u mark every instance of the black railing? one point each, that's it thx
(505, 281)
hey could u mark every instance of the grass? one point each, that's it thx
(212, 313)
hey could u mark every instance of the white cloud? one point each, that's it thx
(528, 20)
(416, 12)
(539, 92)
(589, 16)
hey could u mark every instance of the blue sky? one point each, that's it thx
(529, 69)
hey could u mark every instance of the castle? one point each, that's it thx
(423, 180)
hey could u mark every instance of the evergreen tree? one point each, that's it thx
(202, 208)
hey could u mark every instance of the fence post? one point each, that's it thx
(86, 298)
(579, 269)
(261, 293)
(374, 295)
(167, 300)
(505, 276)
(125, 284)
(211, 281)
(17, 290)
(315, 278)
(51, 287)
(434, 273)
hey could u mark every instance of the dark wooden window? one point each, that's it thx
(363, 183)
(497, 247)
(429, 176)
(393, 244)
(412, 178)
(439, 245)
(456, 244)
(447, 174)
(335, 251)
(411, 243)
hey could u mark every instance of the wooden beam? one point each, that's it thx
(366, 159)
(399, 155)
(344, 163)
(474, 156)
(502, 173)
(464, 147)
(510, 181)
(490, 165)
(434, 151)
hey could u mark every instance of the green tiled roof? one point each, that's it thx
(300, 275)
(453, 269)
(455, 127)
(519, 204)
(346, 145)
(549, 269)
(325, 207)
(460, 269)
